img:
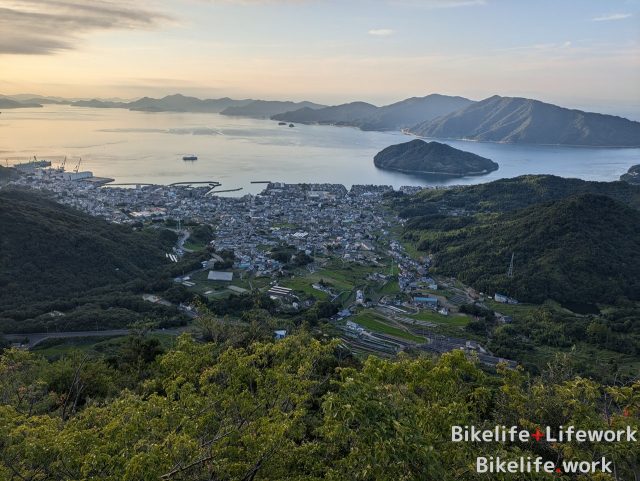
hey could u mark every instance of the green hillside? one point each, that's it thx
(49, 252)
(511, 194)
(582, 249)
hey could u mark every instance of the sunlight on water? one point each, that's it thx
(148, 147)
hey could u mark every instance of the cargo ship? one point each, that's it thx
(190, 157)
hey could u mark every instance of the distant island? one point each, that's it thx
(632, 176)
(183, 103)
(9, 103)
(527, 121)
(396, 116)
(494, 119)
(267, 108)
(420, 157)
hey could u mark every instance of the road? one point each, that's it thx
(36, 338)
(183, 238)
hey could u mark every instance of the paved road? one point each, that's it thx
(36, 338)
(183, 238)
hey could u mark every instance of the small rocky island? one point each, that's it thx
(420, 157)
(632, 176)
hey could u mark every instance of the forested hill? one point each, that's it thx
(510, 194)
(422, 157)
(365, 116)
(528, 121)
(48, 250)
(582, 249)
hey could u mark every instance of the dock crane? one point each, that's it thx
(63, 163)
(78, 166)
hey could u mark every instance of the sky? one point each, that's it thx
(576, 53)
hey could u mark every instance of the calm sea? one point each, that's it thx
(148, 147)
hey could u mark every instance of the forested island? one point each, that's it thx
(420, 157)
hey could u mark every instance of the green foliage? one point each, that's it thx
(432, 158)
(583, 249)
(290, 256)
(236, 305)
(295, 409)
(511, 194)
(54, 258)
(201, 234)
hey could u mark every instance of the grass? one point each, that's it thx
(456, 320)
(93, 346)
(219, 288)
(376, 323)
(195, 246)
(517, 311)
(390, 288)
(303, 284)
(339, 277)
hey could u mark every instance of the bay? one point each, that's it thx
(145, 147)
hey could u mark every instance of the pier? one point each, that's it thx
(212, 183)
(129, 183)
(212, 192)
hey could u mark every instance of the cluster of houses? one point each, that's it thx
(317, 219)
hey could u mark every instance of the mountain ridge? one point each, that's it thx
(366, 116)
(529, 121)
(267, 108)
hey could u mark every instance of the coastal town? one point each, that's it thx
(341, 246)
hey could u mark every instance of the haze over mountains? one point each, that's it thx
(268, 108)
(170, 103)
(10, 103)
(495, 119)
(396, 116)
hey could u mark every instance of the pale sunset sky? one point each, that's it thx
(577, 53)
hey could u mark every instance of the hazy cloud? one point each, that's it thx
(612, 16)
(259, 2)
(439, 3)
(39, 27)
(539, 46)
(381, 32)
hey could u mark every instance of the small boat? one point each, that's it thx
(282, 123)
(291, 125)
(190, 157)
